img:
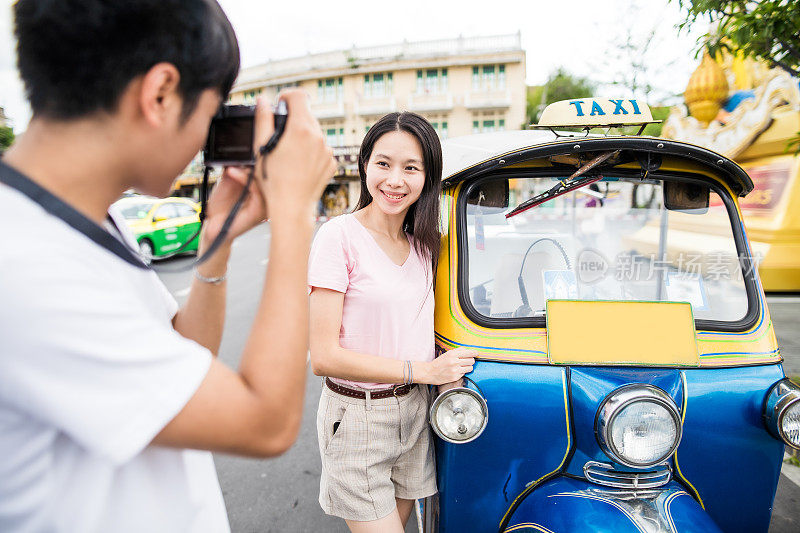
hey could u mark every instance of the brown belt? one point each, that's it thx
(397, 390)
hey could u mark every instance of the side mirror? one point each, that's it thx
(688, 197)
(157, 218)
(492, 193)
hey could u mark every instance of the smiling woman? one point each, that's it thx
(371, 279)
(404, 142)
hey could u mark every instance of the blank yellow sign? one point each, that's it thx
(621, 333)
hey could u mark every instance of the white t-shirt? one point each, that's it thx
(90, 371)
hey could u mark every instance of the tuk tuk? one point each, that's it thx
(627, 375)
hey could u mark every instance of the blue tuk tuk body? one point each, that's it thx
(541, 461)
(541, 431)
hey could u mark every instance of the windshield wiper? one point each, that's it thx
(564, 186)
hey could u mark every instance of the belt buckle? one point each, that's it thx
(395, 389)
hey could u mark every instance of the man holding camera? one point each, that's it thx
(106, 388)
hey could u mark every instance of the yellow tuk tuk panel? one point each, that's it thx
(621, 332)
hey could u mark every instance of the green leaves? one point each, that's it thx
(6, 137)
(768, 30)
(561, 85)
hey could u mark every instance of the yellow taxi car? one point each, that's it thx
(161, 226)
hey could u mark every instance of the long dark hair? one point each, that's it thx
(422, 218)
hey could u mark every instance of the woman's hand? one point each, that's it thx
(448, 367)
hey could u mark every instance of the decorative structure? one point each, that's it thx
(751, 116)
(707, 90)
(753, 124)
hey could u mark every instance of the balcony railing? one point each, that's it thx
(488, 100)
(328, 110)
(430, 102)
(255, 76)
(375, 106)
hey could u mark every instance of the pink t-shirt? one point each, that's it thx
(388, 308)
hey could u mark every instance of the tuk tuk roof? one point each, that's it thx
(474, 155)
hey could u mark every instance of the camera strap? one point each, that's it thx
(56, 207)
(223, 232)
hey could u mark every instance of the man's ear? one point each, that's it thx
(159, 97)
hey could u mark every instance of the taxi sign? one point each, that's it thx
(595, 112)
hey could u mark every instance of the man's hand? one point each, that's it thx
(300, 166)
(222, 199)
(292, 176)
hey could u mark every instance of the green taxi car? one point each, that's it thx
(161, 225)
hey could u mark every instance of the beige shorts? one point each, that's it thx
(381, 450)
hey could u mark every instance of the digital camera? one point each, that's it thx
(230, 137)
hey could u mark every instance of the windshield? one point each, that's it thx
(136, 211)
(610, 240)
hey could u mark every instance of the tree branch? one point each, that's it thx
(791, 49)
(788, 68)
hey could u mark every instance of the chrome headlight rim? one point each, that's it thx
(616, 401)
(784, 395)
(450, 392)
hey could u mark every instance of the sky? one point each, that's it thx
(582, 36)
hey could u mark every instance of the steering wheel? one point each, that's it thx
(525, 309)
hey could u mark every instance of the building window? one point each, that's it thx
(432, 81)
(379, 85)
(441, 128)
(330, 90)
(334, 136)
(282, 86)
(489, 78)
(250, 96)
(488, 123)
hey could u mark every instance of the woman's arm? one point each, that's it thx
(328, 358)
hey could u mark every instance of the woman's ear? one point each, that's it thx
(159, 97)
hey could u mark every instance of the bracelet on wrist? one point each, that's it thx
(408, 372)
(212, 281)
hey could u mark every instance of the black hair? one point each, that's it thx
(77, 57)
(422, 218)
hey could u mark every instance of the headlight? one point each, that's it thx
(638, 426)
(459, 415)
(782, 412)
